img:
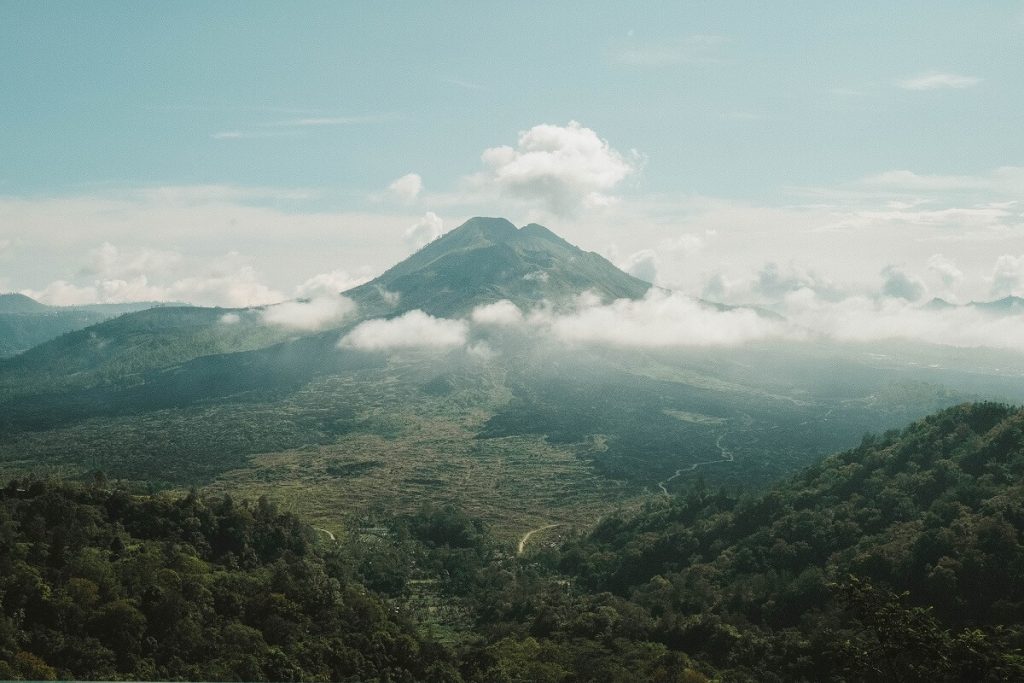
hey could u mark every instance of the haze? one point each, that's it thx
(250, 153)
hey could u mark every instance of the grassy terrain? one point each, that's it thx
(409, 450)
(521, 440)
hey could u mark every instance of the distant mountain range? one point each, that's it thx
(1008, 305)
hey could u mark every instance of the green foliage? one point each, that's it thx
(892, 641)
(105, 584)
(120, 352)
(928, 521)
(898, 560)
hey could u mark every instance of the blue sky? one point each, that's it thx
(256, 142)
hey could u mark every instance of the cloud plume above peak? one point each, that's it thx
(565, 168)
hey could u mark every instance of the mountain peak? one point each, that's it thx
(19, 303)
(488, 259)
(1008, 304)
(493, 228)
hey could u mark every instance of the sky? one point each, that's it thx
(244, 153)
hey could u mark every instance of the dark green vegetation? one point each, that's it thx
(118, 353)
(103, 584)
(25, 323)
(898, 560)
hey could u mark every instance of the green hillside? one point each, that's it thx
(103, 584)
(24, 322)
(120, 351)
(899, 560)
(19, 303)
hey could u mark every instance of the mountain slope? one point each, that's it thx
(121, 350)
(936, 510)
(488, 259)
(19, 303)
(106, 585)
(25, 323)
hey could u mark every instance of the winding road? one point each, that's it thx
(727, 456)
(526, 537)
(325, 531)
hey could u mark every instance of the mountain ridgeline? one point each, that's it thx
(489, 259)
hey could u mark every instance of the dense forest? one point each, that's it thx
(898, 560)
(99, 583)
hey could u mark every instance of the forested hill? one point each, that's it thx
(805, 582)
(98, 584)
(900, 560)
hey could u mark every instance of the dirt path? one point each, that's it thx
(727, 456)
(325, 531)
(526, 537)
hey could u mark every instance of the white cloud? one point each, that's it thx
(295, 126)
(565, 168)
(669, 320)
(224, 282)
(500, 313)
(662, 319)
(335, 120)
(642, 264)
(862, 319)
(424, 231)
(901, 285)
(237, 287)
(468, 85)
(770, 285)
(389, 297)
(696, 49)
(481, 351)
(330, 284)
(934, 80)
(414, 329)
(1007, 180)
(109, 261)
(946, 270)
(406, 188)
(665, 320)
(63, 293)
(661, 264)
(309, 315)
(230, 319)
(1008, 276)
(169, 234)
(236, 134)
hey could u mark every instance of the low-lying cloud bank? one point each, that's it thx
(310, 314)
(663, 319)
(414, 329)
(860, 319)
